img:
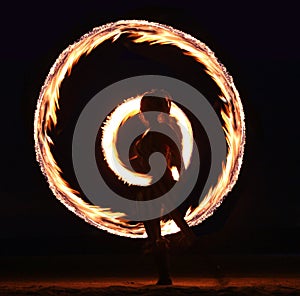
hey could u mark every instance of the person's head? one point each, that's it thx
(152, 103)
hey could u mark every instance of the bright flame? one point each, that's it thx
(126, 110)
(109, 138)
(175, 173)
(140, 32)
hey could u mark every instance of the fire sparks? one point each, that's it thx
(46, 119)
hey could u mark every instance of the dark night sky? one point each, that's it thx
(258, 44)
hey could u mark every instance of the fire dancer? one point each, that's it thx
(154, 142)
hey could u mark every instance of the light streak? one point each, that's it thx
(150, 33)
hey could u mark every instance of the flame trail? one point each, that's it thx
(139, 32)
(123, 112)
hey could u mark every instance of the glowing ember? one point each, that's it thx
(48, 102)
(175, 173)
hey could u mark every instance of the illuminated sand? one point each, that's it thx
(131, 275)
(144, 286)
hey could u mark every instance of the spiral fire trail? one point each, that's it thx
(139, 32)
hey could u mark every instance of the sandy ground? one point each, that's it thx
(135, 275)
(145, 286)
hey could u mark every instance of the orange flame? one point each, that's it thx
(151, 33)
(126, 110)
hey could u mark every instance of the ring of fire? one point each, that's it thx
(151, 33)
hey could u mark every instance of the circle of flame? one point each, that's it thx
(124, 111)
(153, 33)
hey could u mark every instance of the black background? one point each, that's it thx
(259, 45)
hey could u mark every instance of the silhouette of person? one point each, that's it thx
(143, 147)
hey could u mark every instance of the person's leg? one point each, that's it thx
(159, 249)
(152, 228)
(189, 237)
